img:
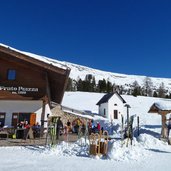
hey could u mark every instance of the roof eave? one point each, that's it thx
(32, 60)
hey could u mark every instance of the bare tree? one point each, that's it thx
(148, 84)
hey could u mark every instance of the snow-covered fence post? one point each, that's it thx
(138, 122)
(86, 132)
(127, 106)
(163, 117)
(122, 119)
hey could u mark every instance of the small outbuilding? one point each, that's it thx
(111, 106)
(161, 108)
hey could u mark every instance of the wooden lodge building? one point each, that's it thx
(28, 85)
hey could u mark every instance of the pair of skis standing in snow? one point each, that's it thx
(128, 131)
(55, 128)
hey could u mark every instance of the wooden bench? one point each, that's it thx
(3, 135)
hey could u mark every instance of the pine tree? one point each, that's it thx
(161, 90)
(167, 96)
(102, 86)
(89, 83)
(69, 85)
(80, 85)
(155, 94)
(136, 89)
(93, 85)
(109, 87)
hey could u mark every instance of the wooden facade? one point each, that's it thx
(23, 77)
(34, 79)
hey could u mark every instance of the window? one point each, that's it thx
(115, 114)
(104, 112)
(2, 119)
(11, 74)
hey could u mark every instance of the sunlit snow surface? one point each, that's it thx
(146, 153)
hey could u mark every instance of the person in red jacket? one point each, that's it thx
(98, 127)
(26, 125)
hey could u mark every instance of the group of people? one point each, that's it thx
(26, 126)
(94, 127)
(23, 124)
(77, 126)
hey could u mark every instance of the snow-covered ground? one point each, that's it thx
(146, 153)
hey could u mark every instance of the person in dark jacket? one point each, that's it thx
(59, 128)
(168, 126)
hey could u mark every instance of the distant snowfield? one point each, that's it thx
(146, 153)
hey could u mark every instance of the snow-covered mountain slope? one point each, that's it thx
(79, 71)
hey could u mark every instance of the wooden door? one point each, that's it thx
(32, 119)
(115, 112)
(15, 119)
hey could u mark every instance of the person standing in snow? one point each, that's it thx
(89, 127)
(98, 127)
(93, 126)
(59, 127)
(68, 126)
(168, 126)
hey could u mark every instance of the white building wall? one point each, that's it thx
(110, 107)
(25, 106)
(47, 111)
(119, 107)
(101, 109)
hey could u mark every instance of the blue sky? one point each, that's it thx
(122, 36)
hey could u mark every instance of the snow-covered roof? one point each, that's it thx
(77, 114)
(163, 105)
(44, 59)
(157, 107)
(106, 97)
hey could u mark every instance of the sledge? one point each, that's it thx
(98, 143)
(104, 143)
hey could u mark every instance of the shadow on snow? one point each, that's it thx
(158, 151)
(152, 126)
(149, 132)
